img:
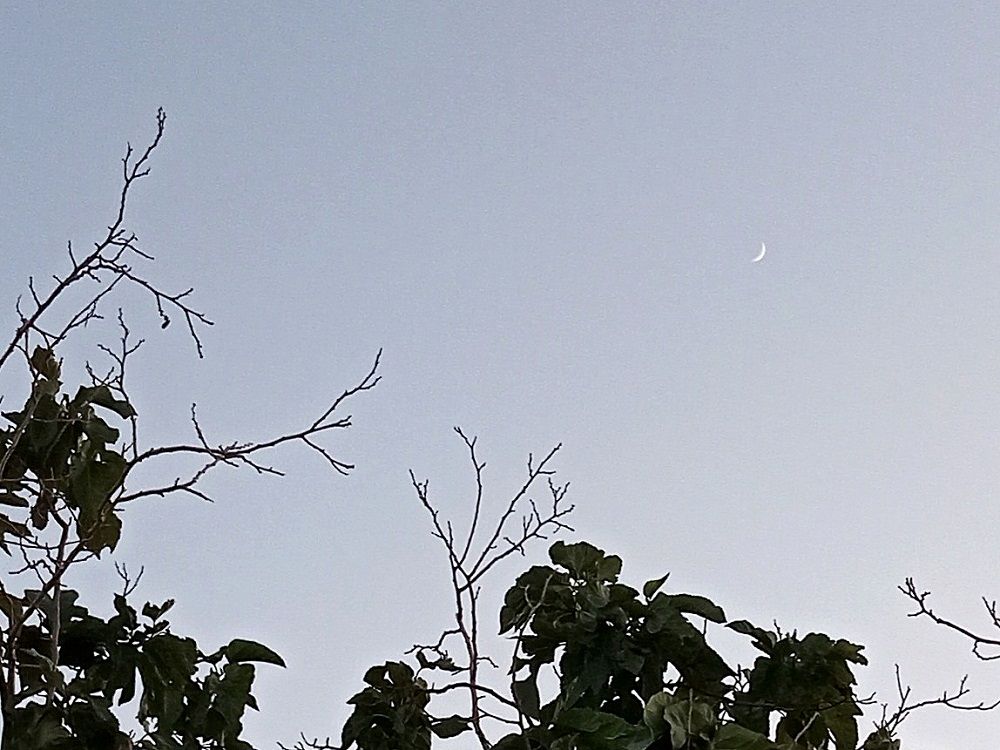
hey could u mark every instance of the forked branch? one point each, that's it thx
(469, 562)
(909, 589)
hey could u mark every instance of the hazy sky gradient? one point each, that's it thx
(545, 213)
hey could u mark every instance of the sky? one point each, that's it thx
(544, 214)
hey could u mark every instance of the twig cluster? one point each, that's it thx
(979, 641)
(52, 540)
(888, 725)
(107, 265)
(470, 557)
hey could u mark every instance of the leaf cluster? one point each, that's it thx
(187, 699)
(391, 712)
(633, 671)
(59, 452)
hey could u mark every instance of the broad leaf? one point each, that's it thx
(698, 605)
(43, 361)
(602, 726)
(450, 727)
(240, 650)
(101, 396)
(649, 588)
(763, 639)
(585, 560)
(526, 696)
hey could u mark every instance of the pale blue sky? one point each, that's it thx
(545, 214)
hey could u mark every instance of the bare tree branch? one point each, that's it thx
(919, 598)
(468, 563)
(889, 724)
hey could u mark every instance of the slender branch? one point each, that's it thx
(480, 688)
(483, 562)
(468, 564)
(889, 723)
(478, 469)
(243, 453)
(131, 171)
(919, 598)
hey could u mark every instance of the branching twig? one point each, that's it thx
(890, 723)
(919, 598)
(469, 562)
(305, 743)
(104, 264)
(235, 454)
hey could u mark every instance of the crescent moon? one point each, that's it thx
(763, 252)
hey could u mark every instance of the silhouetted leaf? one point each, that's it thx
(651, 587)
(763, 639)
(450, 727)
(698, 605)
(103, 534)
(240, 650)
(155, 612)
(43, 362)
(585, 560)
(101, 396)
(9, 498)
(526, 696)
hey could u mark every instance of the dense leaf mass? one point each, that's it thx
(187, 699)
(633, 672)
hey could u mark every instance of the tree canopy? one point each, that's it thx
(594, 663)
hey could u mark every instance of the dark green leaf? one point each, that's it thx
(15, 528)
(44, 362)
(11, 606)
(94, 479)
(103, 534)
(881, 739)
(526, 696)
(36, 728)
(100, 431)
(101, 396)
(233, 694)
(124, 610)
(843, 725)
(651, 587)
(584, 560)
(450, 727)
(603, 730)
(698, 605)
(173, 656)
(155, 612)
(763, 639)
(240, 650)
(686, 719)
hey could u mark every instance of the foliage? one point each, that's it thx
(599, 665)
(68, 677)
(612, 650)
(187, 699)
